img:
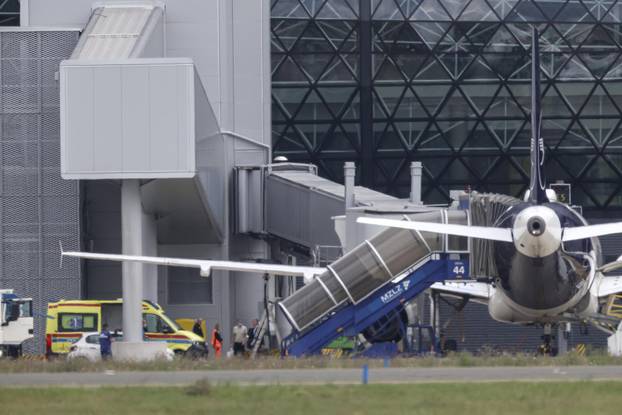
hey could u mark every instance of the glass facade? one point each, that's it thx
(447, 82)
(9, 12)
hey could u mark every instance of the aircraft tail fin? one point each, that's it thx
(537, 189)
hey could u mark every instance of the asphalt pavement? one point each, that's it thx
(315, 376)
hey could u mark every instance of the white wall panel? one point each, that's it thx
(128, 119)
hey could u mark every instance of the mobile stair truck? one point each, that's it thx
(365, 291)
(16, 323)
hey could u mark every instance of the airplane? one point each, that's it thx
(547, 255)
(545, 252)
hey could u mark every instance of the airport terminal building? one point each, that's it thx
(380, 83)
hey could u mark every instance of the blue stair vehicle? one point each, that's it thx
(365, 291)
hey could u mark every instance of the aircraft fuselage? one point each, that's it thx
(538, 275)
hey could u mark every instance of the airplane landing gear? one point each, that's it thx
(546, 349)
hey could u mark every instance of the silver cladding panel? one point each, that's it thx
(128, 119)
(361, 270)
(37, 208)
(289, 202)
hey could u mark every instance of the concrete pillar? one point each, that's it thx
(131, 241)
(349, 173)
(133, 347)
(150, 248)
(416, 169)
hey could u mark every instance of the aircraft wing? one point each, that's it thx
(478, 291)
(608, 286)
(206, 266)
(481, 232)
(591, 231)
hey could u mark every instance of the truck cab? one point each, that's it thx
(16, 323)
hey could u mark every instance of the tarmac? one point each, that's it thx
(315, 376)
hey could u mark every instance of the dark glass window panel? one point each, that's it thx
(386, 10)
(287, 31)
(526, 11)
(337, 9)
(287, 70)
(575, 11)
(9, 13)
(431, 10)
(503, 7)
(478, 10)
(418, 51)
(290, 141)
(288, 9)
(411, 132)
(388, 138)
(409, 107)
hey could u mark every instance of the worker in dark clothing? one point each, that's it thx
(216, 341)
(197, 329)
(253, 333)
(105, 343)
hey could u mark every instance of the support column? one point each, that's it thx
(416, 169)
(366, 98)
(150, 248)
(133, 347)
(131, 241)
(349, 173)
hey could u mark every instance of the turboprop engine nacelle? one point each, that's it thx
(537, 232)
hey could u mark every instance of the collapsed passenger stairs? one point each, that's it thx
(371, 284)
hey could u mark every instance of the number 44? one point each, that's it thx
(458, 270)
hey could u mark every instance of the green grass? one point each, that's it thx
(454, 360)
(565, 398)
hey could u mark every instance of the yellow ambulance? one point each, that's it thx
(68, 320)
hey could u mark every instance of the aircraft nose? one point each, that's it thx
(536, 226)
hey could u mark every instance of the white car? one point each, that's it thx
(87, 347)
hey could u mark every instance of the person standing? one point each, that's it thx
(197, 329)
(216, 341)
(240, 335)
(105, 343)
(253, 332)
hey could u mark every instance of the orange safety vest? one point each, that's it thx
(216, 344)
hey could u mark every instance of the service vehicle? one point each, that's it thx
(16, 324)
(88, 347)
(67, 320)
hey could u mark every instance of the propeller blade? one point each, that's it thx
(611, 266)
(591, 231)
(480, 232)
